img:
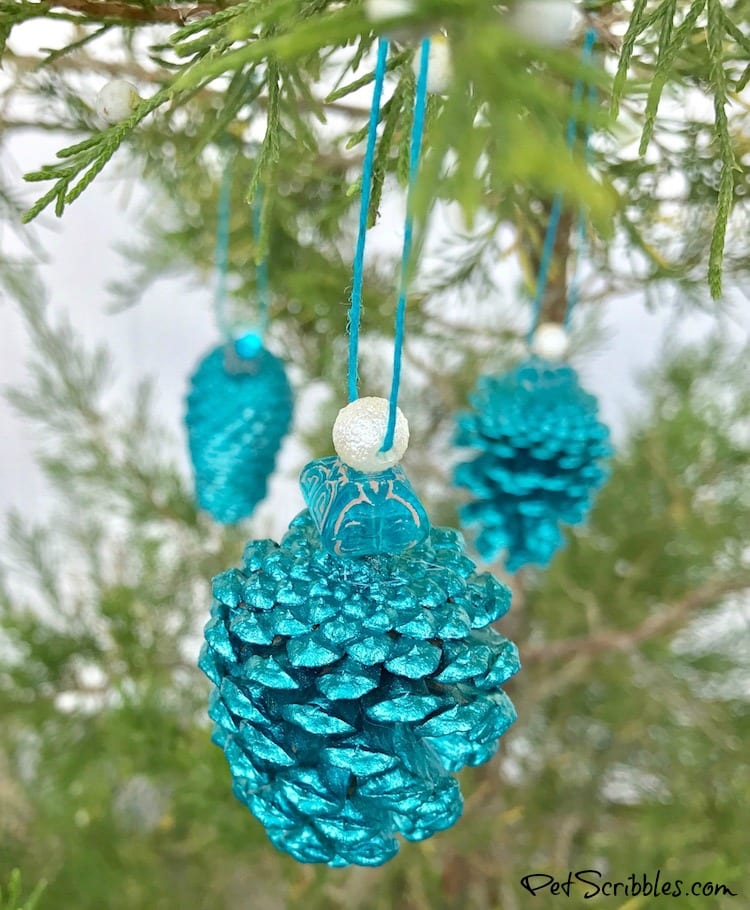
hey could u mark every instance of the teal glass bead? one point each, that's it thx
(239, 408)
(541, 457)
(346, 692)
(361, 514)
(248, 346)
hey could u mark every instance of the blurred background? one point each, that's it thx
(630, 753)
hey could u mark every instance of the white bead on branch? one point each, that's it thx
(116, 101)
(550, 341)
(359, 431)
(546, 21)
(383, 10)
(439, 66)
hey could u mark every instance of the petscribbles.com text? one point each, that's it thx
(589, 883)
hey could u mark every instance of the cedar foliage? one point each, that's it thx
(630, 753)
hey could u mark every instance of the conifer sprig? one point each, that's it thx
(10, 897)
(706, 25)
(503, 122)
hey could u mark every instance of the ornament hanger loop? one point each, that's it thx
(246, 339)
(553, 224)
(355, 309)
(355, 301)
(415, 150)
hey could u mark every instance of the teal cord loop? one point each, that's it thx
(222, 249)
(249, 341)
(548, 246)
(545, 260)
(261, 267)
(355, 304)
(581, 234)
(355, 301)
(415, 150)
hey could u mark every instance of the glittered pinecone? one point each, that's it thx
(541, 451)
(238, 411)
(346, 690)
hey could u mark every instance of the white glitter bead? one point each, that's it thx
(550, 341)
(546, 21)
(382, 10)
(116, 101)
(359, 431)
(439, 67)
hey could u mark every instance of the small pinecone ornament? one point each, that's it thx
(239, 408)
(541, 460)
(355, 669)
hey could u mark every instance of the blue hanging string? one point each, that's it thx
(417, 131)
(553, 224)
(261, 268)
(249, 343)
(581, 243)
(355, 301)
(222, 249)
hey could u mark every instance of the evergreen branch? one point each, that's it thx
(80, 63)
(635, 27)
(391, 116)
(11, 898)
(670, 43)
(121, 11)
(344, 90)
(85, 160)
(669, 46)
(269, 155)
(241, 91)
(667, 12)
(339, 27)
(220, 16)
(5, 29)
(742, 40)
(257, 16)
(404, 147)
(666, 621)
(394, 64)
(715, 43)
(303, 99)
(54, 55)
(85, 63)
(12, 13)
(88, 158)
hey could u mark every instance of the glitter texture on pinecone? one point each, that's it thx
(348, 690)
(541, 453)
(238, 412)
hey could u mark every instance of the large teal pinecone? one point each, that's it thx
(347, 690)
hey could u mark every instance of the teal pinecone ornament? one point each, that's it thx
(239, 408)
(541, 453)
(348, 690)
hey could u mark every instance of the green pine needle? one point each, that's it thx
(635, 27)
(715, 32)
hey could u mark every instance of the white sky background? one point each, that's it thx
(172, 327)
